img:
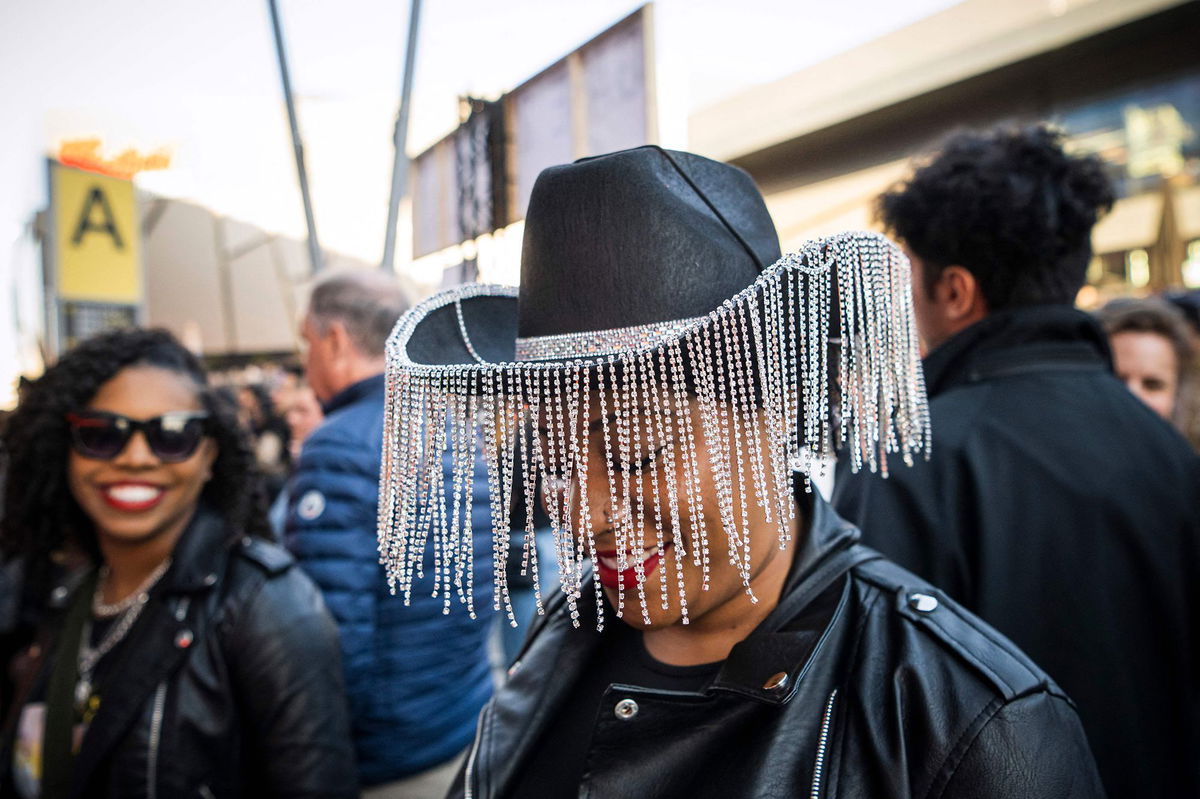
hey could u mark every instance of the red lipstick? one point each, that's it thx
(132, 497)
(609, 575)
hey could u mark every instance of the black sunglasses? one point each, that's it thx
(172, 437)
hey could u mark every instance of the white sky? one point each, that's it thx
(201, 79)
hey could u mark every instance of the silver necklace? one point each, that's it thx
(128, 609)
(100, 610)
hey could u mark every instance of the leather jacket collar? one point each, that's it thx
(200, 553)
(1050, 335)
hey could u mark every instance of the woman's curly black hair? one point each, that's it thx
(1010, 206)
(40, 514)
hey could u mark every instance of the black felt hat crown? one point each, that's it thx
(637, 237)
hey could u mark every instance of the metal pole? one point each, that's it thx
(399, 140)
(314, 247)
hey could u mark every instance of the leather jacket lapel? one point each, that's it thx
(539, 681)
(770, 664)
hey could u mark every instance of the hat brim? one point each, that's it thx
(753, 372)
(473, 324)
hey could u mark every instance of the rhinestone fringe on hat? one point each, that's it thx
(759, 360)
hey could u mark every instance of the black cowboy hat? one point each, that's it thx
(652, 281)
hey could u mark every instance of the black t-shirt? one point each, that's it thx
(556, 764)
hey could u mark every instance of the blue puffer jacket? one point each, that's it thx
(416, 678)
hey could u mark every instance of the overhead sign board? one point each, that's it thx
(96, 238)
(454, 183)
(597, 99)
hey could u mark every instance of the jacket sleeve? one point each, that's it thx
(331, 531)
(1032, 747)
(284, 655)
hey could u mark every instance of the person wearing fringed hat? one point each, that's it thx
(717, 630)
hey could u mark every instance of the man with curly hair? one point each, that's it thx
(1055, 505)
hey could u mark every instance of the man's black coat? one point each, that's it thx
(1066, 514)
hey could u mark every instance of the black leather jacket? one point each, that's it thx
(892, 690)
(230, 683)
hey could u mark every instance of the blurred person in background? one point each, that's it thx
(1053, 505)
(1188, 410)
(416, 678)
(177, 653)
(303, 415)
(1152, 353)
(268, 432)
(302, 412)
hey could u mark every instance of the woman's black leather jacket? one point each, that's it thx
(229, 685)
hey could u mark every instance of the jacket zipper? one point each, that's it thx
(156, 719)
(467, 790)
(822, 746)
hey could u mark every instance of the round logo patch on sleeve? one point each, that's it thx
(311, 505)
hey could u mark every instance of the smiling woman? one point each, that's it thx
(124, 463)
(139, 481)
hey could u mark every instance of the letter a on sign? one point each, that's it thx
(96, 253)
(97, 202)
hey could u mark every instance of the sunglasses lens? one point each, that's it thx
(100, 439)
(175, 439)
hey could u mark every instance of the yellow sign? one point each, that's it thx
(97, 241)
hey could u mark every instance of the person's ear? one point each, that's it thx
(960, 296)
(338, 338)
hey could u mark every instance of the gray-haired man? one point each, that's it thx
(416, 679)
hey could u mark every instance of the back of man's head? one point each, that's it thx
(1010, 206)
(366, 303)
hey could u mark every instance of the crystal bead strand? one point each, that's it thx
(530, 467)
(507, 455)
(747, 363)
(656, 451)
(622, 514)
(582, 456)
(671, 435)
(635, 512)
(727, 381)
(609, 399)
(695, 507)
(568, 570)
(487, 411)
(466, 558)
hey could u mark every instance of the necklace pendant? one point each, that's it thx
(83, 691)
